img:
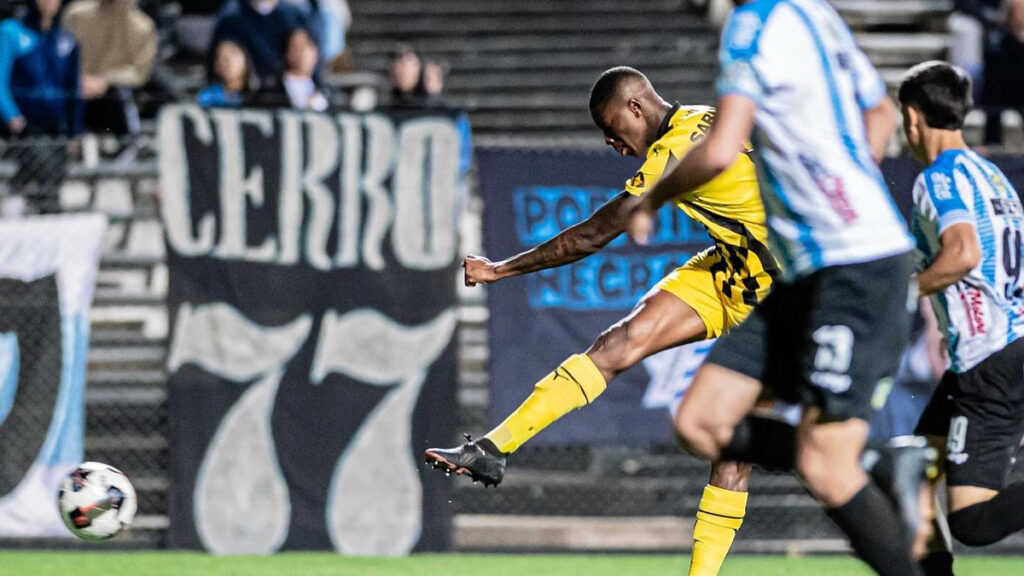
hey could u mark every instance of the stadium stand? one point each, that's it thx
(529, 84)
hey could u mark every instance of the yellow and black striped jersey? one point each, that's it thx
(729, 206)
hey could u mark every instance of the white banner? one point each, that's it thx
(48, 267)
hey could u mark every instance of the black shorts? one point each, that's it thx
(828, 340)
(981, 413)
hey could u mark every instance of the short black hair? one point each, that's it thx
(399, 50)
(941, 91)
(608, 84)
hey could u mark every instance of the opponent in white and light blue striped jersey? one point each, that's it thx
(824, 195)
(984, 311)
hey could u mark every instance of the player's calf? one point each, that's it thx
(989, 522)
(828, 461)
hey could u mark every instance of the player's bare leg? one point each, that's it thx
(980, 516)
(827, 458)
(828, 461)
(658, 322)
(718, 399)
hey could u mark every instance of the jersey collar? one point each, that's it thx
(666, 123)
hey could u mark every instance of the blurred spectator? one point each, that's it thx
(968, 48)
(45, 81)
(1004, 70)
(15, 41)
(262, 29)
(330, 21)
(164, 84)
(1001, 88)
(406, 74)
(45, 84)
(298, 81)
(419, 84)
(433, 81)
(118, 46)
(234, 79)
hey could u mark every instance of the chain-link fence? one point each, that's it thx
(125, 401)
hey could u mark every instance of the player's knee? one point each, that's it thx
(622, 346)
(701, 435)
(969, 526)
(815, 469)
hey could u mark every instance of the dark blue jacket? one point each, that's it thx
(264, 37)
(45, 82)
(15, 42)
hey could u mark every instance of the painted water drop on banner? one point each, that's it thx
(374, 503)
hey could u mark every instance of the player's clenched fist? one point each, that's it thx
(479, 270)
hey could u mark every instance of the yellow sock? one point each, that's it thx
(719, 516)
(575, 383)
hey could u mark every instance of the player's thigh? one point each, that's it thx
(728, 384)
(716, 401)
(856, 326)
(960, 497)
(661, 320)
(986, 423)
(933, 423)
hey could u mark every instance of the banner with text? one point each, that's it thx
(48, 270)
(312, 265)
(537, 321)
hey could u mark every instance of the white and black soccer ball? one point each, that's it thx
(97, 501)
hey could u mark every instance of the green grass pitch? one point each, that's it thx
(17, 563)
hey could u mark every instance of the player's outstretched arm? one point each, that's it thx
(572, 244)
(959, 253)
(880, 123)
(705, 161)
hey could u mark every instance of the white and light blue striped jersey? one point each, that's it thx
(825, 198)
(984, 312)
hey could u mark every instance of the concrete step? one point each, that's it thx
(114, 378)
(574, 42)
(667, 80)
(514, 8)
(118, 297)
(122, 397)
(863, 13)
(900, 49)
(149, 356)
(506, 533)
(119, 335)
(516, 61)
(425, 25)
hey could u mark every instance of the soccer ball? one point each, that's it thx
(96, 501)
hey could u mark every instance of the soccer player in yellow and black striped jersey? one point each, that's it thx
(707, 296)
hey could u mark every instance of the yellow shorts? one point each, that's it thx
(717, 299)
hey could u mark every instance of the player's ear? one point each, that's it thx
(912, 123)
(636, 107)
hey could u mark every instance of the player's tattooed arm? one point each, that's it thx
(572, 244)
(959, 253)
